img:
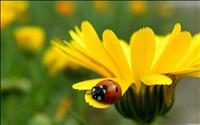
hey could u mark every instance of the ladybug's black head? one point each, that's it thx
(98, 92)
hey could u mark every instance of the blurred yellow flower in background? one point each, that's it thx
(65, 8)
(100, 5)
(138, 7)
(30, 38)
(164, 10)
(10, 10)
(55, 60)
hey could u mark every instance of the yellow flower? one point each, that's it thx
(55, 60)
(30, 38)
(165, 10)
(147, 70)
(147, 56)
(65, 8)
(100, 5)
(138, 7)
(10, 10)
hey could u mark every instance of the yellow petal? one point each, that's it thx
(142, 51)
(192, 57)
(161, 45)
(96, 48)
(80, 58)
(156, 79)
(55, 60)
(127, 52)
(174, 53)
(193, 74)
(176, 29)
(87, 85)
(116, 52)
(76, 38)
(94, 103)
(184, 70)
(161, 42)
(175, 32)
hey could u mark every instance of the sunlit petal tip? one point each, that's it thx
(77, 29)
(146, 30)
(109, 33)
(86, 24)
(156, 79)
(71, 32)
(177, 28)
(94, 103)
(187, 34)
(53, 42)
(177, 25)
(75, 86)
(66, 42)
(196, 38)
(56, 43)
(89, 32)
(85, 21)
(133, 36)
(142, 31)
(197, 35)
(85, 85)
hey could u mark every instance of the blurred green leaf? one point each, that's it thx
(20, 84)
(40, 119)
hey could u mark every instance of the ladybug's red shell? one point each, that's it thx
(106, 91)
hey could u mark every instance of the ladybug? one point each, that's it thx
(106, 91)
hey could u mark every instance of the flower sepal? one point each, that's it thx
(146, 104)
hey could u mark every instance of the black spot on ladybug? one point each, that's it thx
(116, 89)
(106, 91)
(105, 87)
